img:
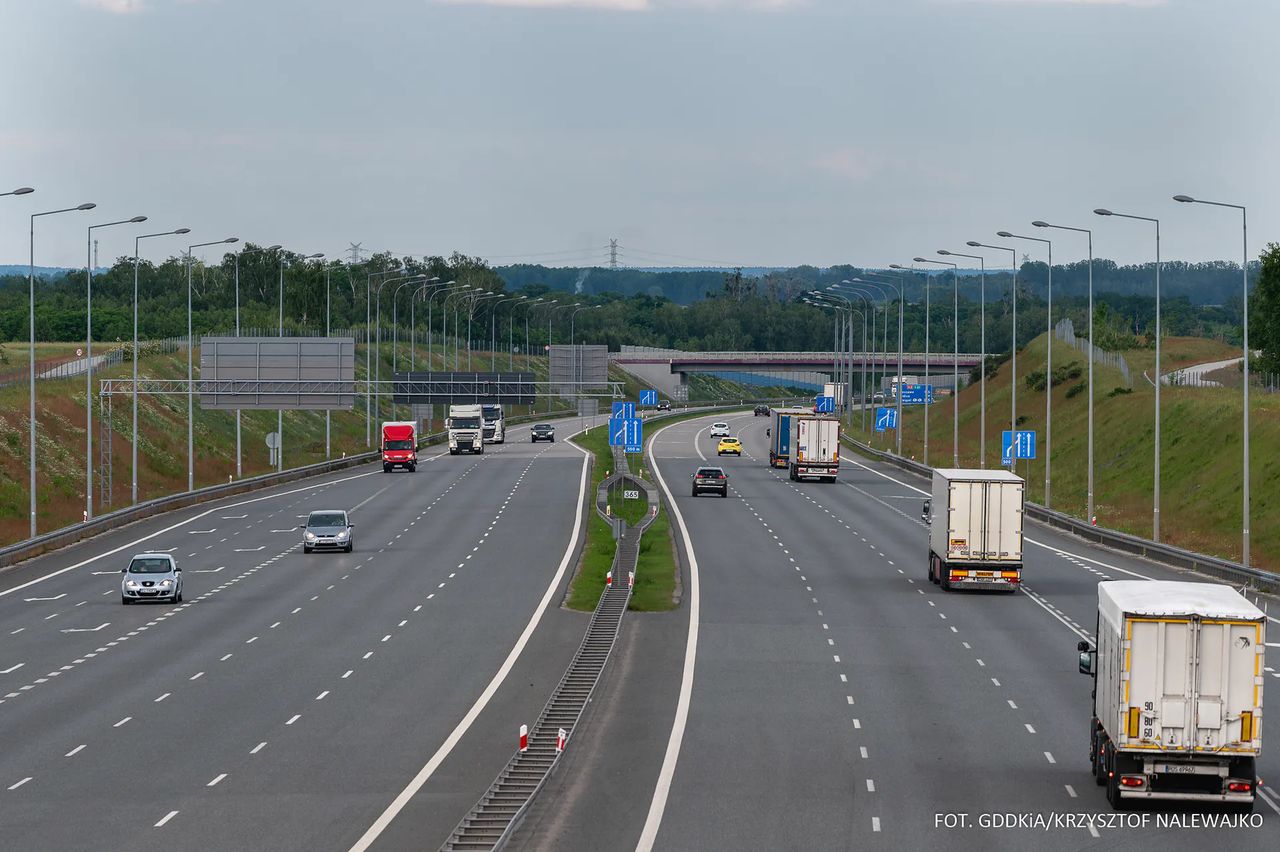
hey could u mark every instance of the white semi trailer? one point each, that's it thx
(975, 529)
(1177, 699)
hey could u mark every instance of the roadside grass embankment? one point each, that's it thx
(1201, 446)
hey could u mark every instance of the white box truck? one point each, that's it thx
(495, 423)
(466, 429)
(1177, 698)
(816, 448)
(835, 390)
(975, 529)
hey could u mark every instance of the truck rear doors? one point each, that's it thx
(1191, 683)
(984, 521)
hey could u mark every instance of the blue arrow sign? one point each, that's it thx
(624, 409)
(626, 432)
(648, 397)
(824, 404)
(886, 418)
(1017, 445)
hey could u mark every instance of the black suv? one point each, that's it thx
(711, 479)
(761, 411)
(542, 432)
(664, 405)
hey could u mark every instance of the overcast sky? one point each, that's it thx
(757, 132)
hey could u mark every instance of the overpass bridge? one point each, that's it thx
(667, 370)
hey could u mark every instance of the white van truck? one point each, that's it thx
(466, 429)
(975, 529)
(1177, 699)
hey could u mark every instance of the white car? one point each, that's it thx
(151, 577)
(719, 430)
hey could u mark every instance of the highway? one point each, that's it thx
(291, 699)
(835, 699)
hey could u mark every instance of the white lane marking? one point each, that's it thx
(163, 697)
(1011, 704)
(13, 668)
(1071, 791)
(208, 570)
(348, 674)
(234, 517)
(1040, 604)
(75, 750)
(250, 549)
(1030, 730)
(321, 696)
(34, 600)
(455, 736)
(875, 823)
(20, 783)
(166, 818)
(132, 545)
(224, 658)
(215, 781)
(84, 629)
(122, 721)
(259, 747)
(201, 532)
(857, 724)
(196, 676)
(1049, 757)
(1269, 798)
(295, 718)
(862, 750)
(871, 786)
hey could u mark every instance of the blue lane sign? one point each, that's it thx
(1017, 445)
(886, 418)
(917, 394)
(648, 397)
(624, 409)
(824, 404)
(626, 432)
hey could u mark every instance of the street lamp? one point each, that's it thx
(476, 298)
(377, 365)
(1048, 367)
(902, 298)
(493, 330)
(1244, 275)
(1155, 489)
(885, 293)
(191, 345)
(577, 359)
(31, 297)
(1090, 518)
(443, 288)
(928, 385)
(843, 323)
(88, 351)
(368, 347)
(528, 304)
(413, 324)
(982, 356)
(133, 488)
(244, 251)
(22, 190)
(1013, 376)
(280, 333)
(955, 333)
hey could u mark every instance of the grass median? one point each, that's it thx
(656, 567)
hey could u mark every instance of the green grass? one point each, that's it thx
(1201, 431)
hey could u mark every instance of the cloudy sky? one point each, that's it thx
(734, 131)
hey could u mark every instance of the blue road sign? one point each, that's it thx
(824, 404)
(886, 418)
(917, 394)
(1017, 445)
(623, 409)
(626, 432)
(648, 397)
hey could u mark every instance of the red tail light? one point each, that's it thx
(1239, 787)
(1132, 781)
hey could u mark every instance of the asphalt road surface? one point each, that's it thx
(838, 700)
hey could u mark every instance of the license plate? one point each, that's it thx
(1179, 769)
(984, 573)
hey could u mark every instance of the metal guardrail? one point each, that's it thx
(12, 554)
(1213, 566)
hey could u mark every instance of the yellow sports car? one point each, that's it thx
(729, 445)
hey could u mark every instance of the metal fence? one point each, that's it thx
(1065, 331)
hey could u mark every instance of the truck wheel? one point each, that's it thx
(1116, 765)
(944, 578)
(413, 468)
(453, 452)
(386, 468)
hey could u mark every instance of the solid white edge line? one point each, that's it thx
(384, 820)
(658, 805)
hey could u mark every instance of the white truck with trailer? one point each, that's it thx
(466, 429)
(1177, 698)
(495, 423)
(975, 529)
(816, 448)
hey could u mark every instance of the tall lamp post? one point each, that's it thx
(902, 298)
(413, 324)
(239, 254)
(1244, 276)
(368, 348)
(493, 328)
(955, 335)
(982, 356)
(927, 374)
(191, 345)
(1090, 517)
(31, 287)
(280, 332)
(526, 304)
(1155, 489)
(1048, 367)
(133, 488)
(1013, 345)
(446, 287)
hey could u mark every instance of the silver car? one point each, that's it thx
(327, 529)
(151, 577)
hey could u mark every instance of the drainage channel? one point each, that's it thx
(499, 812)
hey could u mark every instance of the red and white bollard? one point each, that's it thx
(631, 579)
(561, 736)
(524, 738)
(608, 580)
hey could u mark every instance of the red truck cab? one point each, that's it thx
(399, 446)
